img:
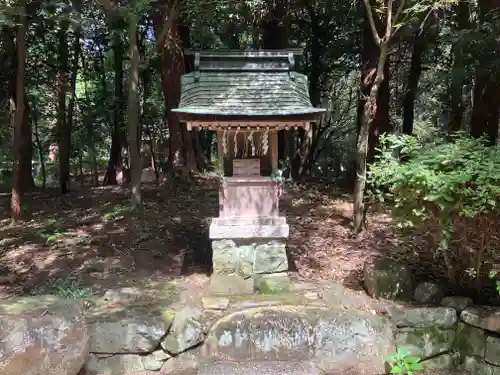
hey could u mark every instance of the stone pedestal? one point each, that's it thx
(252, 248)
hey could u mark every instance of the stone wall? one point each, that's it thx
(443, 331)
(132, 330)
(308, 328)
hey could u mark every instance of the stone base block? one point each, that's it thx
(273, 284)
(248, 228)
(249, 257)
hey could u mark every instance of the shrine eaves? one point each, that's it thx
(245, 89)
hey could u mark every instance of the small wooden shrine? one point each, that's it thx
(247, 97)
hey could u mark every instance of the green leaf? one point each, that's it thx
(396, 370)
(413, 359)
(392, 359)
(417, 367)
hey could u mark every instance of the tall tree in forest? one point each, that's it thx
(394, 14)
(118, 134)
(419, 44)
(171, 68)
(458, 70)
(275, 32)
(391, 19)
(17, 188)
(63, 132)
(485, 112)
(70, 114)
(10, 73)
(370, 54)
(133, 112)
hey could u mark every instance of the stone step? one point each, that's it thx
(259, 368)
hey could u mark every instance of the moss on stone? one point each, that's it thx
(272, 284)
(425, 342)
(470, 341)
(168, 315)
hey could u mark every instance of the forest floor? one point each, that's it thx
(87, 241)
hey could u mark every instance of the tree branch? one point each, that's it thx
(371, 21)
(168, 23)
(400, 10)
(388, 26)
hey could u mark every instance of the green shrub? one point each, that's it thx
(404, 363)
(449, 188)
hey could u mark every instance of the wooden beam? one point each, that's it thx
(246, 119)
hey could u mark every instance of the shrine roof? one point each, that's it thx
(246, 84)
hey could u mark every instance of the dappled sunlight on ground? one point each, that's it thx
(90, 235)
(322, 245)
(90, 238)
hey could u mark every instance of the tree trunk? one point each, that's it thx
(39, 145)
(370, 60)
(201, 158)
(89, 128)
(27, 150)
(369, 117)
(485, 112)
(191, 156)
(414, 77)
(275, 32)
(458, 73)
(306, 149)
(274, 25)
(484, 119)
(115, 162)
(66, 134)
(26, 146)
(133, 115)
(63, 133)
(93, 163)
(189, 150)
(16, 203)
(171, 69)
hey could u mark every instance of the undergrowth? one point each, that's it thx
(448, 191)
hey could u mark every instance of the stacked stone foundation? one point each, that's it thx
(255, 253)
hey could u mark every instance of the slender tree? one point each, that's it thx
(392, 17)
(133, 113)
(17, 188)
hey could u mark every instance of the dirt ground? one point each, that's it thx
(89, 239)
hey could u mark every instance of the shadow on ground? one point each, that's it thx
(90, 237)
(321, 244)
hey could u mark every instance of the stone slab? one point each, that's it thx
(230, 285)
(423, 316)
(484, 317)
(492, 352)
(270, 258)
(470, 341)
(387, 279)
(425, 342)
(334, 340)
(457, 302)
(249, 257)
(249, 220)
(277, 283)
(42, 335)
(259, 368)
(217, 231)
